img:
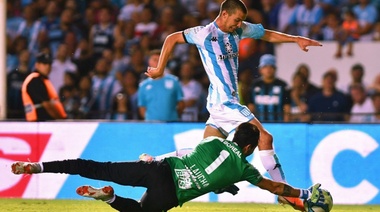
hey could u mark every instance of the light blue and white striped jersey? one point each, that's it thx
(103, 90)
(219, 53)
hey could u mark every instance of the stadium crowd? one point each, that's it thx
(101, 49)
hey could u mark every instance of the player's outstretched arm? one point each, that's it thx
(167, 48)
(279, 37)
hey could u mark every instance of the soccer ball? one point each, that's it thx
(324, 204)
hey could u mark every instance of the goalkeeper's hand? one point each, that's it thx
(314, 193)
(233, 189)
(317, 197)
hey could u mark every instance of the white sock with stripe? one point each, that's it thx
(272, 165)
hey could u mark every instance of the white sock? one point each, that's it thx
(272, 165)
(42, 167)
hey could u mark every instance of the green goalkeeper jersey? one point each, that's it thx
(214, 164)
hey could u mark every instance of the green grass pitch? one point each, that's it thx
(27, 205)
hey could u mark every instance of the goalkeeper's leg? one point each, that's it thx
(272, 164)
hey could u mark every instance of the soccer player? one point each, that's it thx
(217, 44)
(214, 164)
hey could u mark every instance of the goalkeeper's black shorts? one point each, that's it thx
(155, 176)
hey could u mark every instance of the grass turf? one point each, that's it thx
(29, 205)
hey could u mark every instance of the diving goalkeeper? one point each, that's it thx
(214, 164)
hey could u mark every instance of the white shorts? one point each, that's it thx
(228, 116)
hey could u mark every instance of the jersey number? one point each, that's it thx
(219, 160)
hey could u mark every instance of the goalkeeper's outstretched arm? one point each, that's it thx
(283, 189)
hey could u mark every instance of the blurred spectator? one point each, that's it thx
(329, 105)
(245, 79)
(74, 5)
(147, 43)
(146, 24)
(193, 57)
(269, 98)
(329, 6)
(179, 9)
(137, 63)
(192, 91)
(84, 98)
(357, 74)
(67, 97)
(249, 56)
(160, 99)
(203, 112)
(102, 34)
(367, 16)
(87, 22)
(375, 118)
(69, 79)
(83, 58)
(166, 24)
(14, 49)
(331, 29)
(125, 31)
(298, 97)
(191, 5)
(362, 108)
(13, 20)
(119, 60)
(212, 13)
(61, 64)
(50, 26)
(201, 10)
(39, 6)
(29, 28)
(375, 86)
(132, 6)
(104, 88)
(71, 41)
(125, 102)
(306, 17)
(270, 9)
(376, 32)
(15, 78)
(350, 29)
(309, 87)
(286, 10)
(66, 31)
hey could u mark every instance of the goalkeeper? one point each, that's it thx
(214, 164)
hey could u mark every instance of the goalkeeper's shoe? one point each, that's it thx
(105, 194)
(25, 168)
(295, 202)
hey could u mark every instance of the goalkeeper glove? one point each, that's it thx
(233, 189)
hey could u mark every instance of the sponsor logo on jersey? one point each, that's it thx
(193, 30)
(184, 179)
(267, 100)
(227, 56)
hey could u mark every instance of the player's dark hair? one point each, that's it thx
(232, 5)
(358, 67)
(246, 133)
